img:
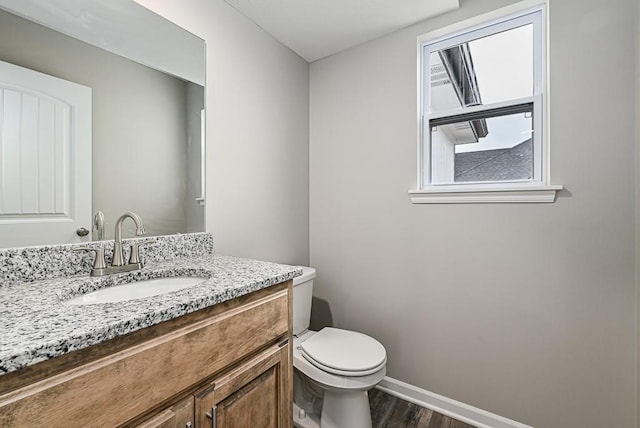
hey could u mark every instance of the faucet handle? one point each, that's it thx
(134, 252)
(98, 261)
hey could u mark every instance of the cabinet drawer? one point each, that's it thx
(114, 389)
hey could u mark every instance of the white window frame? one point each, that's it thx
(538, 189)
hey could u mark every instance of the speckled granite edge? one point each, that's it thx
(29, 264)
(37, 322)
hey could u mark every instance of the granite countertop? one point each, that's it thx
(37, 324)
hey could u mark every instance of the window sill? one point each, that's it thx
(484, 195)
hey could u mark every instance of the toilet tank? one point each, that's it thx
(302, 294)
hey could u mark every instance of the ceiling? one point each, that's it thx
(318, 28)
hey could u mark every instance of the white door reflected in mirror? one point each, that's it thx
(45, 141)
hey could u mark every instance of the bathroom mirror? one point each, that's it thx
(146, 78)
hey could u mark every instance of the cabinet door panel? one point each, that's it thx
(254, 394)
(179, 415)
(164, 419)
(255, 405)
(184, 411)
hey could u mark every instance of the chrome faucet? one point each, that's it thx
(117, 264)
(117, 246)
(98, 224)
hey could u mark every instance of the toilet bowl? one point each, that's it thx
(334, 368)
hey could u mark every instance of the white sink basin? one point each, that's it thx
(136, 290)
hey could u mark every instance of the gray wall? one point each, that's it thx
(139, 124)
(527, 311)
(257, 134)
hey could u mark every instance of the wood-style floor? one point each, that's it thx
(388, 411)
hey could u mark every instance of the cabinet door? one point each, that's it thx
(255, 394)
(177, 416)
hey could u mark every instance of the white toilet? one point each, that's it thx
(334, 368)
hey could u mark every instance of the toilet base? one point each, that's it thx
(302, 419)
(339, 409)
(345, 409)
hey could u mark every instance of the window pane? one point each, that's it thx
(490, 149)
(483, 71)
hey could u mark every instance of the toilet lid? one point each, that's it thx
(344, 352)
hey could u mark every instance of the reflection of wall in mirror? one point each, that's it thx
(140, 126)
(194, 211)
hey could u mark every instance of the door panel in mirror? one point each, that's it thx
(45, 140)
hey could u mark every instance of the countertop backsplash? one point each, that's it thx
(29, 264)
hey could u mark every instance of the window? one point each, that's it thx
(482, 113)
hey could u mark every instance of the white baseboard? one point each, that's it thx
(446, 406)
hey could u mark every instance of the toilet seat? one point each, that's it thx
(344, 352)
(329, 380)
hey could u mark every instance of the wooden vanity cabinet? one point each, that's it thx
(231, 362)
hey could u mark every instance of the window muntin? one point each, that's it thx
(482, 92)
